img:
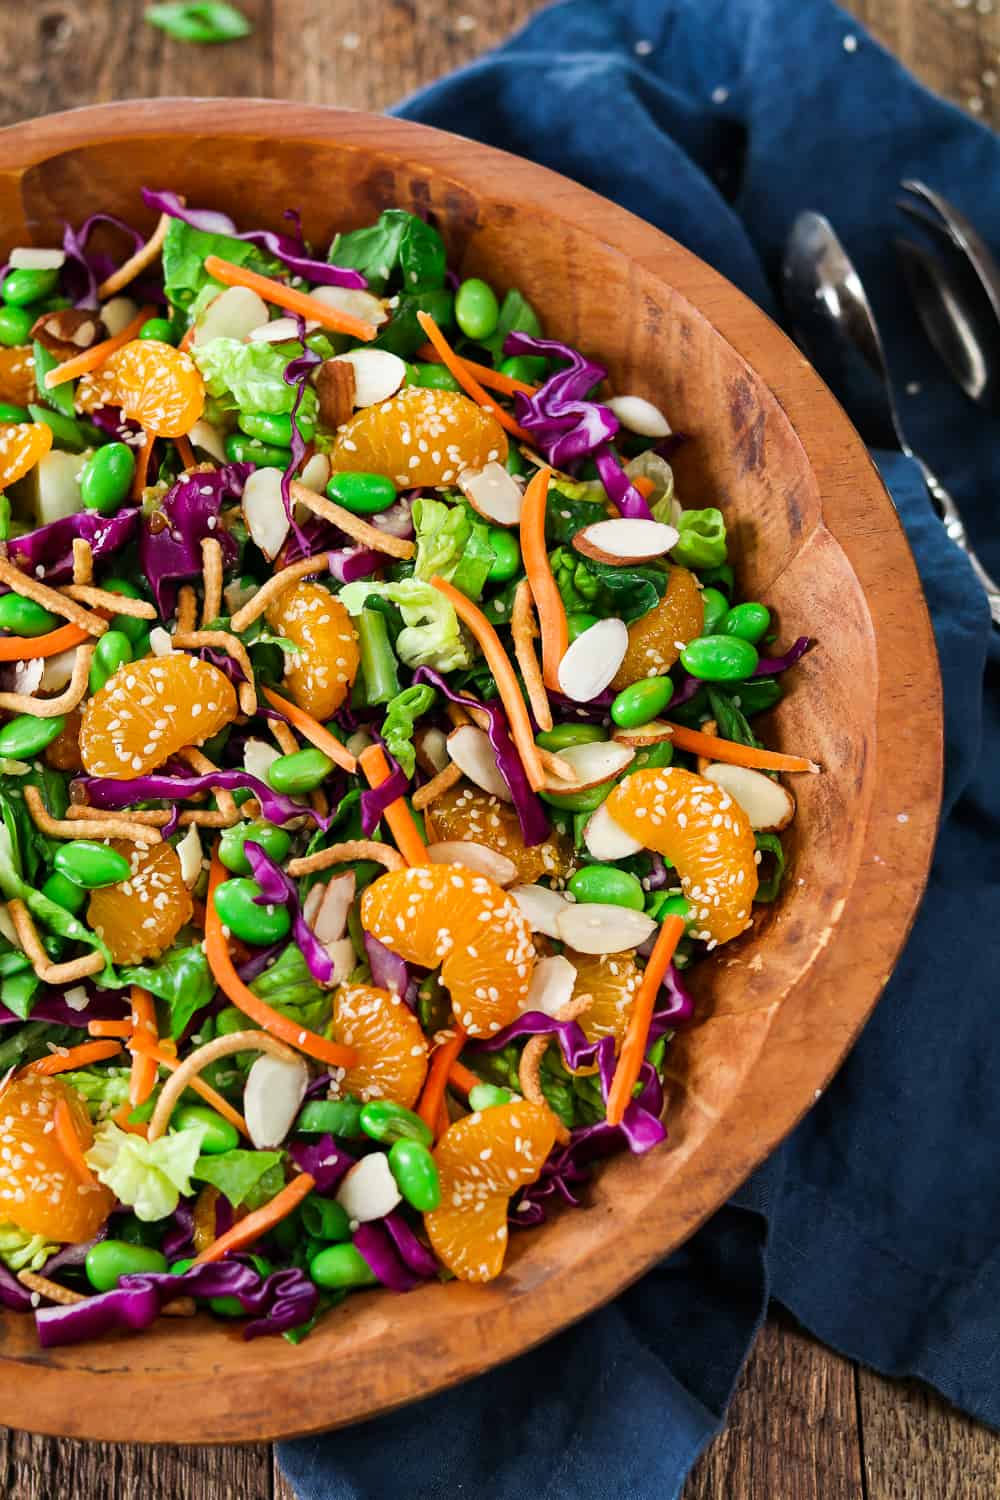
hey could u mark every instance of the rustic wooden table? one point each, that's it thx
(805, 1424)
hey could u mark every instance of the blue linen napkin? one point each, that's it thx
(878, 1221)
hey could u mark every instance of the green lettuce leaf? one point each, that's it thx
(404, 335)
(103, 1090)
(401, 715)
(398, 246)
(184, 252)
(242, 1175)
(22, 1251)
(147, 1176)
(182, 978)
(565, 516)
(454, 544)
(770, 885)
(252, 375)
(431, 636)
(289, 987)
(702, 542)
(516, 316)
(55, 918)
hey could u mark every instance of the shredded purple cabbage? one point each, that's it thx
(378, 1249)
(398, 519)
(348, 564)
(190, 512)
(686, 690)
(389, 971)
(413, 1252)
(80, 271)
(375, 800)
(113, 421)
(74, 1255)
(297, 373)
(102, 1005)
(13, 1296)
(178, 1242)
(619, 486)
(112, 795)
(529, 809)
(279, 889)
(324, 1160)
(51, 547)
(658, 875)
(769, 666)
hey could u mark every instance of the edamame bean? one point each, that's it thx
(21, 287)
(716, 610)
(140, 645)
(416, 1174)
(27, 735)
(660, 906)
(605, 884)
(113, 650)
(336, 1116)
(24, 617)
(245, 450)
(652, 757)
(72, 898)
(129, 625)
(363, 494)
(11, 413)
(531, 368)
(178, 1267)
(747, 621)
(15, 326)
(506, 563)
(275, 842)
(341, 1266)
(219, 1135)
(436, 378)
(274, 427)
(477, 310)
(237, 908)
(91, 865)
(719, 658)
(302, 771)
(589, 800)
(564, 735)
(325, 1219)
(578, 622)
(160, 329)
(641, 701)
(107, 477)
(109, 1260)
(514, 462)
(486, 1095)
(385, 1121)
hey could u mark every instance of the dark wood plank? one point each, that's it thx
(39, 1469)
(916, 1444)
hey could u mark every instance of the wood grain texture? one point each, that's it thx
(354, 52)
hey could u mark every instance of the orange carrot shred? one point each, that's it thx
(503, 673)
(109, 1028)
(94, 357)
(711, 746)
(169, 1061)
(437, 1078)
(268, 1019)
(493, 379)
(290, 299)
(398, 816)
(251, 1229)
(463, 1078)
(120, 1117)
(142, 466)
(70, 1145)
(185, 452)
(548, 600)
(312, 730)
(28, 648)
(644, 485)
(633, 1048)
(188, 338)
(142, 1080)
(73, 1057)
(466, 379)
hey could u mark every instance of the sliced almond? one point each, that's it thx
(607, 840)
(431, 746)
(58, 670)
(769, 806)
(258, 757)
(335, 387)
(358, 741)
(341, 955)
(273, 1094)
(496, 867)
(189, 853)
(328, 916)
(551, 987)
(35, 258)
(27, 675)
(117, 313)
(595, 927)
(493, 493)
(377, 374)
(593, 659)
(264, 511)
(316, 473)
(369, 1190)
(624, 541)
(359, 304)
(592, 764)
(540, 907)
(472, 753)
(640, 415)
(278, 331)
(233, 314)
(208, 438)
(653, 733)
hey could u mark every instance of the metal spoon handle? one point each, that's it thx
(955, 527)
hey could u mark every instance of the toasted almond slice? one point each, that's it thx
(653, 733)
(190, 855)
(592, 660)
(540, 907)
(360, 740)
(369, 1190)
(118, 313)
(278, 330)
(233, 314)
(377, 374)
(264, 510)
(316, 473)
(551, 987)
(593, 764)
(625, 541)
(208, 438)
(341, 955)
(595, 927)
(258, 757)
(274, 1091)
(431, 746)
(493, 493)
(35, 258)
(475, 757)
(327, 915)
(769, 806)
(497, 867)
(57, 671)
(640, 415)
(358, 303)
(607, 840)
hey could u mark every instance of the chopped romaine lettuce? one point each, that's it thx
(147, 1176)
(431, 636)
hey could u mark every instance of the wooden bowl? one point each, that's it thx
(816, 537)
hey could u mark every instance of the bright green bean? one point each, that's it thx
(506, 563)
(565, 735)
(301, 771)
(109, 1260)
(385, 1121)
(90, 865)
(336, 1116)
(107, 477)
(341, 1267)
(113, 650)
(719, 658)
(21, 287)
(237, 909)
(23, 616)
(607, 885)
(749, 622)
(15, 326)
(219, 1134)
(362, 494)
(27, 735)
(325, 1219)
(274, 842)
(486, 1095)
(641, 701)
(477, 310)
(716, 609)
(416, 1175)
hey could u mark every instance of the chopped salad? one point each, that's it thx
(379, 746)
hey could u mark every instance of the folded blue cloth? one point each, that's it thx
(878, 1222)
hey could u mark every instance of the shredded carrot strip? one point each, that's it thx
(251, 1229)
(185, 452)
(644, 485)
(121, 1119)
(188, 338)
(493, 379)
(633, 1048)
(710, 745)
(142, 1081)
(463, 1078)
(398, 816)
(226, 977)
(443, 1119)
(142, 466)
(109, 1028)
(27, 648)
(437, 1077)
(73, 1057)
(466, 379)
(288, 298)
(503, 673)
(94, 357)
(159, 1054)
(69, 1143)
(312, 730)
(548, 601)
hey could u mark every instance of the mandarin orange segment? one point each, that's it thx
(140, 917)
(420, 437)
(656, 639)
(153, 383)
(705, 834)
(150, 709)
(391, 1047)
(39, 1191)
(22, 445)
(17, 375)
(611, 979)
(465, 812)
(321, 672)
(448, 915)
(482, 1160)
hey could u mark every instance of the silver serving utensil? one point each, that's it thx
(833, 322)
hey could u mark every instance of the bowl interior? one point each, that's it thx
(813, 529)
